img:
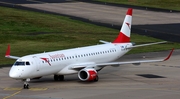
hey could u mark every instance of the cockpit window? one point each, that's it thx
(27, 63)
(19, 63)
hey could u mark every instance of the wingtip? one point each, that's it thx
(169, 55)
(7, 51)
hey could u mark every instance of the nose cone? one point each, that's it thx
(13, 74)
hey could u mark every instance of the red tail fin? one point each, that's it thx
(124, 35)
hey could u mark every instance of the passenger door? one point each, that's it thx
(37, 63)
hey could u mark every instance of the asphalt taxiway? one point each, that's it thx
(147, 81)
(162, 25)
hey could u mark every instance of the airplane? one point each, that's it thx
(83, 61)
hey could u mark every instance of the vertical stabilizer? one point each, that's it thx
(125, 32)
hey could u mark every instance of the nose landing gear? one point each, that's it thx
(26, 84)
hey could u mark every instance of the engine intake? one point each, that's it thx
(88, 74)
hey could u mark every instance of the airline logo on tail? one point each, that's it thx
(128, 25)
(124, 35)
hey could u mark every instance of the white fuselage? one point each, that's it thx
(60, 62)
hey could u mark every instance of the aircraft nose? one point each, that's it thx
(13, 74)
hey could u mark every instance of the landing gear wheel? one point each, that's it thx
(58, 77)
(26, 86)
(61, 77)
(96, 79)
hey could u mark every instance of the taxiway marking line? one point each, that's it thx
(31, 89)
(11, 89)
(11, 95)
(38, 89)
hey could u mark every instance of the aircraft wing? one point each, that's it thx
(83, 65)
(136, 62)
(92, 65)
(8, 54)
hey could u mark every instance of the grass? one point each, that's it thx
(31, 32)
(164, 4)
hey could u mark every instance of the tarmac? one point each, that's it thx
(159, 80)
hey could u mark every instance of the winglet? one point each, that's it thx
(169, 55)
(8, 51)
(7, 55)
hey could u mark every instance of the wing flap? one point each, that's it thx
(83, 65)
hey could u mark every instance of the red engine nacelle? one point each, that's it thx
(88, 74)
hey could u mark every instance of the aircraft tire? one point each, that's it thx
(26, 86)
(61, 77)
(55, 77)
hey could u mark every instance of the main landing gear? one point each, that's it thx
(26, 84)
(59, 77)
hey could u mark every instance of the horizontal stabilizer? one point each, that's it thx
(147, 44)
(105, 42)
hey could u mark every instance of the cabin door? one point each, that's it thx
(37, 63)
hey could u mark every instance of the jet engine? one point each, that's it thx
(88, 74)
